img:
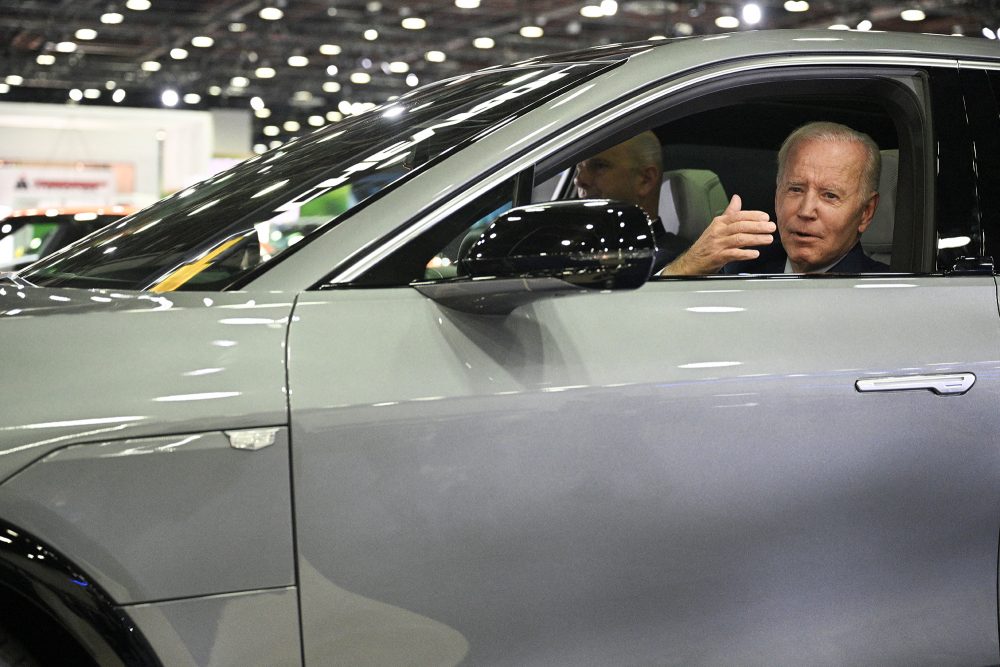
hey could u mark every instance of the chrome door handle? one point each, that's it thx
(946, 384)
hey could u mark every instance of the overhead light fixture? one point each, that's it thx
(262, 113)
(399, 67)
(256, 102)
(609, 7)
(591, 12)
(192, 98)
(150, 66)
(45, 59)
(178, 54)
(291, 126)
(371, 34)
(751, 14)
(169, 97)
(91, 93)
(239, 82)
(412, 81)
(317, 121)
(302, 96)
(215, 91)
(85, 34)
(912, 15)
(532, 31)
(435, 56)
(66, 47)
(334, 116)
(361, 77)
(796, 6)
(237, 26)
(865, 25)
(138, 5)
(331, 87)
(727, 22)
(838, 26)
(4, 88)
(987, 33)
(112, 18)
(271, 131)
(264, 72)
(414, 23)
(467, 4)
(483, 43)
(270, 13)
(76, 94)
(14, 79)
(297, 61)
(332, 70)
(118, 96)
(330, 49)
(202, 41)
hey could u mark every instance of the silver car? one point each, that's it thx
(388, 394)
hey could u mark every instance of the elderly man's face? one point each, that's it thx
(612, 174)
(821, 204)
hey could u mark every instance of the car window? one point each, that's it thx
(217, 232)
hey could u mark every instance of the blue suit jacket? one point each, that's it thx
(772, 260)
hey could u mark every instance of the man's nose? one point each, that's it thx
(580, 178)
(807, 204)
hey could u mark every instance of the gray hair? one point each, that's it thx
(647, 150)
(827, 131)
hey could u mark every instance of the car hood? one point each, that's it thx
(92, 366)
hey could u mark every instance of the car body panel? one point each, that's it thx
(602, 477)
(165, 517)
(258, 628)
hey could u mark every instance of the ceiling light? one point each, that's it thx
(374, 6)
(271, 131)
(330, 49)
(751, 14)
(656, 38)
(609, 7)
(298, 61)
(76, 94)
(684, 29)
(214, 90)
(371, 34)
(838, 26)
(259, 148)
(796, 6)
(317, 121)
(727, 22)
(237, 27)
(292, 126)
(275, 143)
(361, 77)
(150, 66)
(45, 59)
(111, 18)
(118, 95)
(239, 82)
(467, 4)
(912, 15)
(4, 88)
(169, 98)
(412, 81)
(532, 31)
(256, 102)
(192, 98)
(399, 67)
(414, 23)
(987, 33)
(14, 79)
(865, 25)
(264, 72)
(435, 56)
(344, 107)
(483, 43)
(66, 47)
(138, 5)
(85, 34)
(332, 70)
(591, 12)
(262, 113)
(178, 54)
(331, 87)
(302, 96)
(91, 93)
(334, 116)
(202, 41)
(270, 13)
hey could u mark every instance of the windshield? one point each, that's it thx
(215, 233)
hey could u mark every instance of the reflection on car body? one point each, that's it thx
(539, 455)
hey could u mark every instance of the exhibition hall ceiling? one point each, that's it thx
(308, 62)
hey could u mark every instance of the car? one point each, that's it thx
(374, 446)
(32, 233)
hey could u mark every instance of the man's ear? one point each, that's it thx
(650, 179)
(868, 213)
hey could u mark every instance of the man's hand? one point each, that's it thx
(726, 239)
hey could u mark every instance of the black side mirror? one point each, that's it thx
(532, 251)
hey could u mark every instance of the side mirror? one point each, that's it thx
(537, 250)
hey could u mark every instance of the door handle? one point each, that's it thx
(945, 384)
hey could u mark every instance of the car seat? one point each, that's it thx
(689, 199)
(877, 239)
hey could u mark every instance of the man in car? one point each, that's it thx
(632, 172)
(827, 191)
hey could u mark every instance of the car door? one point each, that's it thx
(717, 470)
